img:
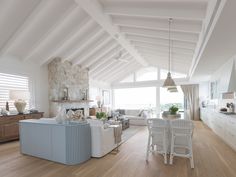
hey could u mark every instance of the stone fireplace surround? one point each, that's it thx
(75, 78)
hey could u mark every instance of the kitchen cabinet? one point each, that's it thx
(223, 125)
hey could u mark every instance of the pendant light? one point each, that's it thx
(174, 88)
(169, 82)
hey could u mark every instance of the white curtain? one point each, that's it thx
(191, 94)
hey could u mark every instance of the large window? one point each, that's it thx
(169, 98)
(12, 82)
(135, 98)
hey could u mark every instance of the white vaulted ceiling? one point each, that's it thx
(93, 33)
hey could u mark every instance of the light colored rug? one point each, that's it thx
(129, 132)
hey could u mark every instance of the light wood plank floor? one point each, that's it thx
(213, 158)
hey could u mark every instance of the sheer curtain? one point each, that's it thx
(191, 94)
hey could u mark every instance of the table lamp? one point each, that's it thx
(19, 96)
(98, 98)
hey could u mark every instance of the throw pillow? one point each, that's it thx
(145, 114)
(106, 125)
(140, 113)
(122, 112)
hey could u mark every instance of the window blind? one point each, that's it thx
(12, 82)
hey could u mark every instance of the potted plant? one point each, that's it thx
(173, 110)
(101, 115)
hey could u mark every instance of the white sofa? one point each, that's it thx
(103, 140)
(135, 118)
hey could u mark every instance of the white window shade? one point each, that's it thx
(9, 83)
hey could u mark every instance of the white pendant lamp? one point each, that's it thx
(169, 82)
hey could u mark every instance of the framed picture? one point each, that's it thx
(106, 97)
(213, 90)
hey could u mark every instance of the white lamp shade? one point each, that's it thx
(19, 95)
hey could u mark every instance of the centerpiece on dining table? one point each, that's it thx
(172, 112)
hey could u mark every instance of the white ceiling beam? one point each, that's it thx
(180, 10)
(38, 26)
(160, 34)
(161, 52)
(25, 24)
(54, 28)
(105, 58)
(100, 53)
(118, 78)
(164, 42)
(116, 71)
(122, 73)
(102, 68)
(141, 43)
(12, 15)
(85, 41)
(95, 10)
(109, 70)
(91, 49)
(108, 65)
(164, 48)
(160, 24)
(165, 57)
(176, 67)
(63, 47)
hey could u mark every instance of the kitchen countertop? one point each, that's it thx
(232, 115)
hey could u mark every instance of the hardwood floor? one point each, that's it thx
(212, 157)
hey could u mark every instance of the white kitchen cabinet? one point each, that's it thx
(231, 132)
(223, 125)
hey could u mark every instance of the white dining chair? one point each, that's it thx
(157, 137)
(181, 140)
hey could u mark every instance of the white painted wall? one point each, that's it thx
(204, 91)
(225, 77)
(38, 78)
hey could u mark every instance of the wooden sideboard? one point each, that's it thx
(9, 125)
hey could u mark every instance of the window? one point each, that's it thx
(135, 98)
(173, 74)
(12, 82)
(146, 74)
(169, 98)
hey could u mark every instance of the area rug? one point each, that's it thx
(129, 132)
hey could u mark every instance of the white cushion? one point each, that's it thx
(133, 112)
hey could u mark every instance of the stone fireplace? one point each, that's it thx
(73, 77)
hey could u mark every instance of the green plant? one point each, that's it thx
(101, 115)
(173, 109)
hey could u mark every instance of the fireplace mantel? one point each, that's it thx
(72, 101)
